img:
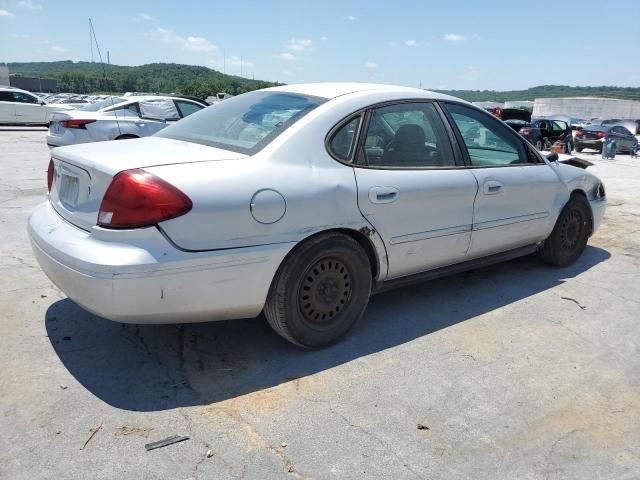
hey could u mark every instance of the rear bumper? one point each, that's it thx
(137, 276)
(592, 144)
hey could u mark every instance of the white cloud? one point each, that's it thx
(411, 43)
(196, 44)
(29, 4)
(454, 37)
(146, 17)
(370, 65)
(299, 45)
(287, 56)
(54, 47)
(199, 44)
(351, 18)
(324, 38)
(4, 13)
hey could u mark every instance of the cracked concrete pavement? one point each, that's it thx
(518, 371)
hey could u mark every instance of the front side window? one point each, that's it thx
(24, 98)
(558, 127)
(407, 135)
(246, 123)
(187, 108)
(342, 143)
(488, 142)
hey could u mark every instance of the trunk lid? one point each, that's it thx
(83, 172)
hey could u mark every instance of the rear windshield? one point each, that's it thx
(243, 124)
(94, 107)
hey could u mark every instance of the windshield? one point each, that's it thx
(244, 124)
(94, 107)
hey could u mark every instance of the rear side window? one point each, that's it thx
(489, 143)
(407, 135)
(342, 143)
(6, 97)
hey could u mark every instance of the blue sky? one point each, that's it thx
(446, 44)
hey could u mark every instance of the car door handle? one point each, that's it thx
(492, 187)
(383, 194)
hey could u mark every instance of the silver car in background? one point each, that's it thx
(118, 118)
(300, 201)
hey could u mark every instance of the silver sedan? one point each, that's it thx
(301, 201)
(118, 118)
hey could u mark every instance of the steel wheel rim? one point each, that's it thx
(325, 291)
(571, 230)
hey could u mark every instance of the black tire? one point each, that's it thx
(579, 149)
(320, 291)
(126, 137)
(570, 234)
(569, 148)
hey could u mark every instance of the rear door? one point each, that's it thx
(516, 188)
(411, 188)
(7, 107)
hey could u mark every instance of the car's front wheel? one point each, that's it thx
(570, 234)
(320, 291)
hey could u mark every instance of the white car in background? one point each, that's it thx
(118, 118)
(21, 107)
(301, 201)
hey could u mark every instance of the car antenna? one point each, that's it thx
(104, 71)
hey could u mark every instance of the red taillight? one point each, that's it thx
(75, 123)
(602, 134)
(579, 133)
(50, 174)
(525, 131)
(137, 198)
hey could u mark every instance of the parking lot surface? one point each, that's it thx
(516, 371)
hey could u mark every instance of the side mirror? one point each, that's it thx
(552, 157)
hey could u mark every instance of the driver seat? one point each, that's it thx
(407, 147)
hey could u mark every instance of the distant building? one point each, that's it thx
(4, 75)
(586, 107)
(33, 84)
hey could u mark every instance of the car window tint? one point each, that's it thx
(343, 141)
(6, 97)
(24, 98)
(488, 142)
(187, 108)
(558, 126)
(407, 135)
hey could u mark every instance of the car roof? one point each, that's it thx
(14, 89)
(331, 90)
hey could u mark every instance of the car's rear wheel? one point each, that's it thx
(570, 234)
(320, 291)
(579, 149)
(126, 137)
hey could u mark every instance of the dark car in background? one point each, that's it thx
(594, 136)
(543, 133)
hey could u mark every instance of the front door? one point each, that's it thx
(517, 189)
(411, 189)
(28, 109)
